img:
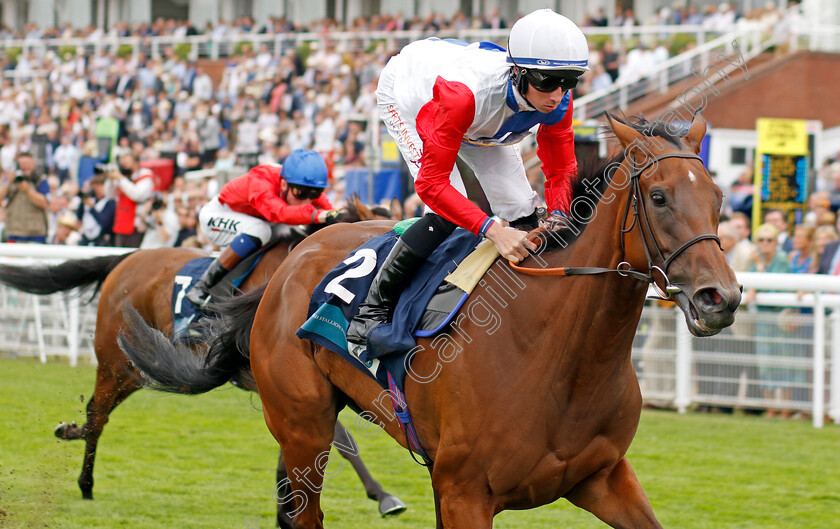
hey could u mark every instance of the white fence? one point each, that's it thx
(783, 352)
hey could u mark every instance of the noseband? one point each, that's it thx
(641, 220)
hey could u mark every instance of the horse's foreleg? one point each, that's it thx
(461, 509)
(438, 521)
(346, 445)
(111, 389)
(301, 412)
(283, 490)
(615, 496)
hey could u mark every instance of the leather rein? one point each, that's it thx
(640, 219)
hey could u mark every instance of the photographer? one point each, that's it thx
(96, 211)
(134, 186)
(26, 209)
(160, 225)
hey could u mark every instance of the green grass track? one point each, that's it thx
(169, 461)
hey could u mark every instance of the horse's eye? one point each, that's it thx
(658, 198)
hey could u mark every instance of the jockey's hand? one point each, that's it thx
(331, 216)
(554, 220)
(511, 243)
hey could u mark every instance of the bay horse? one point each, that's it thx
(529, 395)
(144, 278)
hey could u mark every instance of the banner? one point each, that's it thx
(782, 161)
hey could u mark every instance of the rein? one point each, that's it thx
(641, 220)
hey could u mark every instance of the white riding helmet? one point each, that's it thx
(545, 40)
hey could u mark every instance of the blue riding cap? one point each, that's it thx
(305, 168)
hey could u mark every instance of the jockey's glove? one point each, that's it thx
(554, 220)
(334, 216)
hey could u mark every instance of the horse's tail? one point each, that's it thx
(201, 364)
(232, 332)
(49, 279)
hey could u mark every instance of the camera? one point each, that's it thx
(105, 168)
(19, 176)
(158, 204)
(87, 194)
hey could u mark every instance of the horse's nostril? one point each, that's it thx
(709, 299)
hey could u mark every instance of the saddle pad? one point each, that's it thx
(337, 298)
(184, 312)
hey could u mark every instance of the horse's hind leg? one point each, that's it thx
(389, 505)
(113, 385)
(615, 496)
(300, 411)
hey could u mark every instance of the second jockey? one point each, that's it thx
(239, 218)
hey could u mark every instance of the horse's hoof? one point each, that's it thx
(391, 506)
(63, 430)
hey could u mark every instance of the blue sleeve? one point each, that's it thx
(43, 187)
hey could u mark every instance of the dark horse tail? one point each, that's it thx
(201, 363)
(49, 279)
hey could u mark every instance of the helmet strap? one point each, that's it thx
(517, 75)
(519, 80)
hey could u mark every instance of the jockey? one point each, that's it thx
(445, 100)
(240, 217)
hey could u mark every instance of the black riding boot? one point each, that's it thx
(384, 292)
(199, 294)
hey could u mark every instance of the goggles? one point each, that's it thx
(550, 80)
(305, 192)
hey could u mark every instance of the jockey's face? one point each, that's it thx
(545, 90)
(545, 102)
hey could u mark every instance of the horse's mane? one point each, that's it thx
(594, 178)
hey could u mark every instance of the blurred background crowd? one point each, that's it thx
(197, 122)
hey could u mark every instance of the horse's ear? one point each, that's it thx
(362, 210)
(625, 133)
(396, 209)
(695, 134)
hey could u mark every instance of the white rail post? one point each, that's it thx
(819, 361)
(834, 405)
(73, 328)
(682, 384)
(39, 330)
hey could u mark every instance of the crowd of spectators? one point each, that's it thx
(812, 245)
(256, 109)
(718, 17)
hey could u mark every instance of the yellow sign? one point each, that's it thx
(390, 153)
(782, 136)
(781, 168)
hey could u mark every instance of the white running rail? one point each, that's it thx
(674, 368)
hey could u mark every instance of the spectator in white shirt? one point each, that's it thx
(161, 225)
(66, 158)
(202, 85)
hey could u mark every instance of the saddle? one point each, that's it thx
(185, 313)
(425, 306)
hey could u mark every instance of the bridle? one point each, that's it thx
(640, 219)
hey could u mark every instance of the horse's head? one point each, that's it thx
(671, 222)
